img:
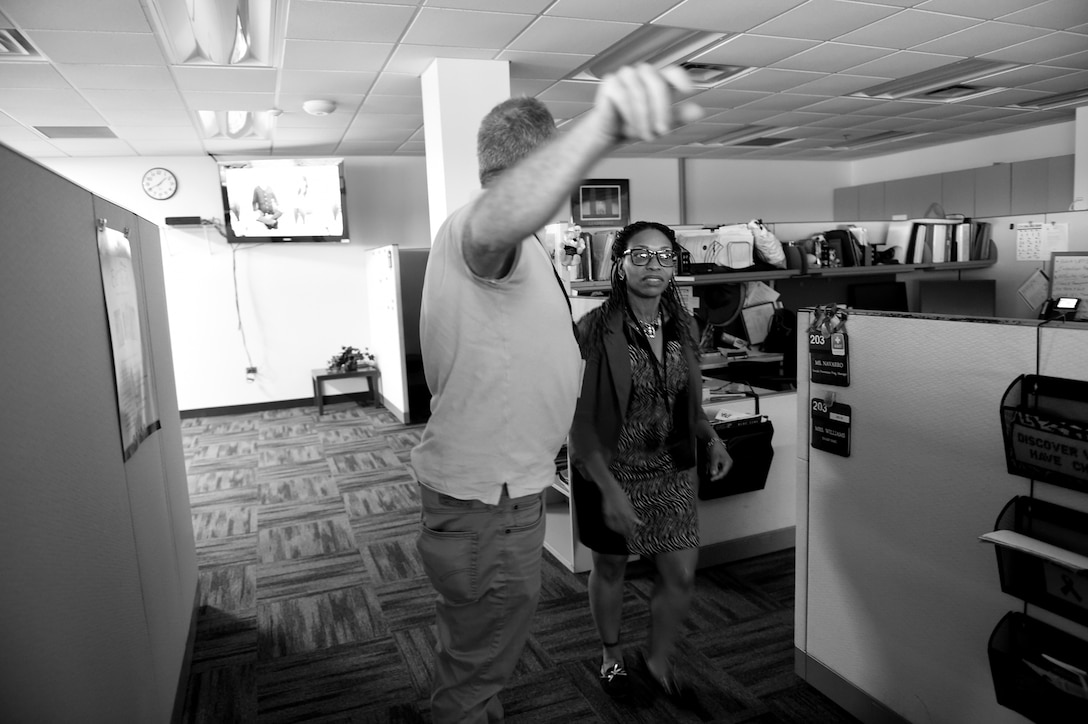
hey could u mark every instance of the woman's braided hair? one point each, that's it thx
(591, 334)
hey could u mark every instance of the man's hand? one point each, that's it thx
(637, 102)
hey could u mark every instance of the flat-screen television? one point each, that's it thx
(284, 200)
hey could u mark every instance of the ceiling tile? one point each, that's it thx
(781, 102)
(735, 16)
(230, 147)
(542, 66)
(334, 55)
(635, 11)
(1062, 84)
(148, 116)
(980, 39)
(832, 57)
(80, 147)
(294, 117)
(566, 90)
(465, 28)
(156, 133)
(907, 29)
(837, 85)
(567, 35)
(508, 6)
(1053, 14)
(126, 16)
(367, 148)
(37, 149)
(726, 97)
(755, 50)
(414, 59)
(213, 78)
(528, 87)
(398, 84)
(988, 10)
(1042, 49)
(377, 123)
(1077, 61)
(327, 81)
(825, 19)
(771, 79)
(30, 75)
(563, 110)
(102, 48)
(357, 22)
(211, 101)
(167, 147)
(402, 105)
(107, 100)
(119, 77)
(903, 63)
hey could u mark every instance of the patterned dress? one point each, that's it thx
(662, 496)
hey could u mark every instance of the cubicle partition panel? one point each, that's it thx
(896, 596)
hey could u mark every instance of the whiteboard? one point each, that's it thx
(1069, 274)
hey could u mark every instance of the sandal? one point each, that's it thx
(614, 681)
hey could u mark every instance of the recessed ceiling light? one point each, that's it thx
(918, 84)
(1072, 98)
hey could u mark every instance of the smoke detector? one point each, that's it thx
(319, 107)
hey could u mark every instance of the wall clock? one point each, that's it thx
(160, 183)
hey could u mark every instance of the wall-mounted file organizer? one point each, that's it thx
(1044, 421)
(748, 438)
(1042, 555)
(1039, 671)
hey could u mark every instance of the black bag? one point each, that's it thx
(847, 248)
(748, 441)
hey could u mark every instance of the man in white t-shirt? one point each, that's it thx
(504, 372)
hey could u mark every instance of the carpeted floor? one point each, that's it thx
(314, 606)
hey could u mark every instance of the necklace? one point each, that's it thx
(650, 328)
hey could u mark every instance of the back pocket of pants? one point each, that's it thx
(450, 562)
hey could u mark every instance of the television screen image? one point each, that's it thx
(279, 200)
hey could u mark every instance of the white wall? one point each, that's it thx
(299, 303)
(731, 191)
(1045, 142)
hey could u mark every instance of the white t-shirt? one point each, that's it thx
(503, 369)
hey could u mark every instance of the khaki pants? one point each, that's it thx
(484, 562)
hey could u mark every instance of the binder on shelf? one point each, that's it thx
(1044, 423)
(1038, 670)
(1042, 555)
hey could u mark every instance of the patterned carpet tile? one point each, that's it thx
(302, 540)
(224, 638)
(297, 429)
(377, 499)
(392, 559)
(214, 552)
(297, 488)
(221, 479)
(407, 603)
(223, 694)
(225, 522)
(339, 681)
(364, 462)
(416, 648)
(286, 579)
(284, 514)
(308, 623)
(272, 456)
(350, 482)
(228, 588)
(236, 453)
(384, 526)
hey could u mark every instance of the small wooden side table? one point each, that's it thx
(321, 375)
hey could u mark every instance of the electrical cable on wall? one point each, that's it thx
(251, 372)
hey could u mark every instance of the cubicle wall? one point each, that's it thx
(896, 597)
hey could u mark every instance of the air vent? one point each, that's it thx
(75, 131)
(765, 142)
(1073, 98)
(710, 74)
(937, 79)
(14, 46)
(872, 140)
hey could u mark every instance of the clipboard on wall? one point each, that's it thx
(1069, 278)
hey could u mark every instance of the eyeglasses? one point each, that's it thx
(641, 257)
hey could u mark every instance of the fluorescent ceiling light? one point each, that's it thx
(15, 46)
(919, 84)
(234, 124)
(1073, 98)
(660, 46)
(747, 133)
(220, 32)
(873, 140)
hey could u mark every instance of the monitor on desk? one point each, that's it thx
(966, 297)
(878, 296)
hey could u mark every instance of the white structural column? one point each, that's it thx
(1080, 162)
(457, 94)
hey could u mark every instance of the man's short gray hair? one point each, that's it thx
(509, 132)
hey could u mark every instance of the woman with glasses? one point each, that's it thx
(638, 420)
